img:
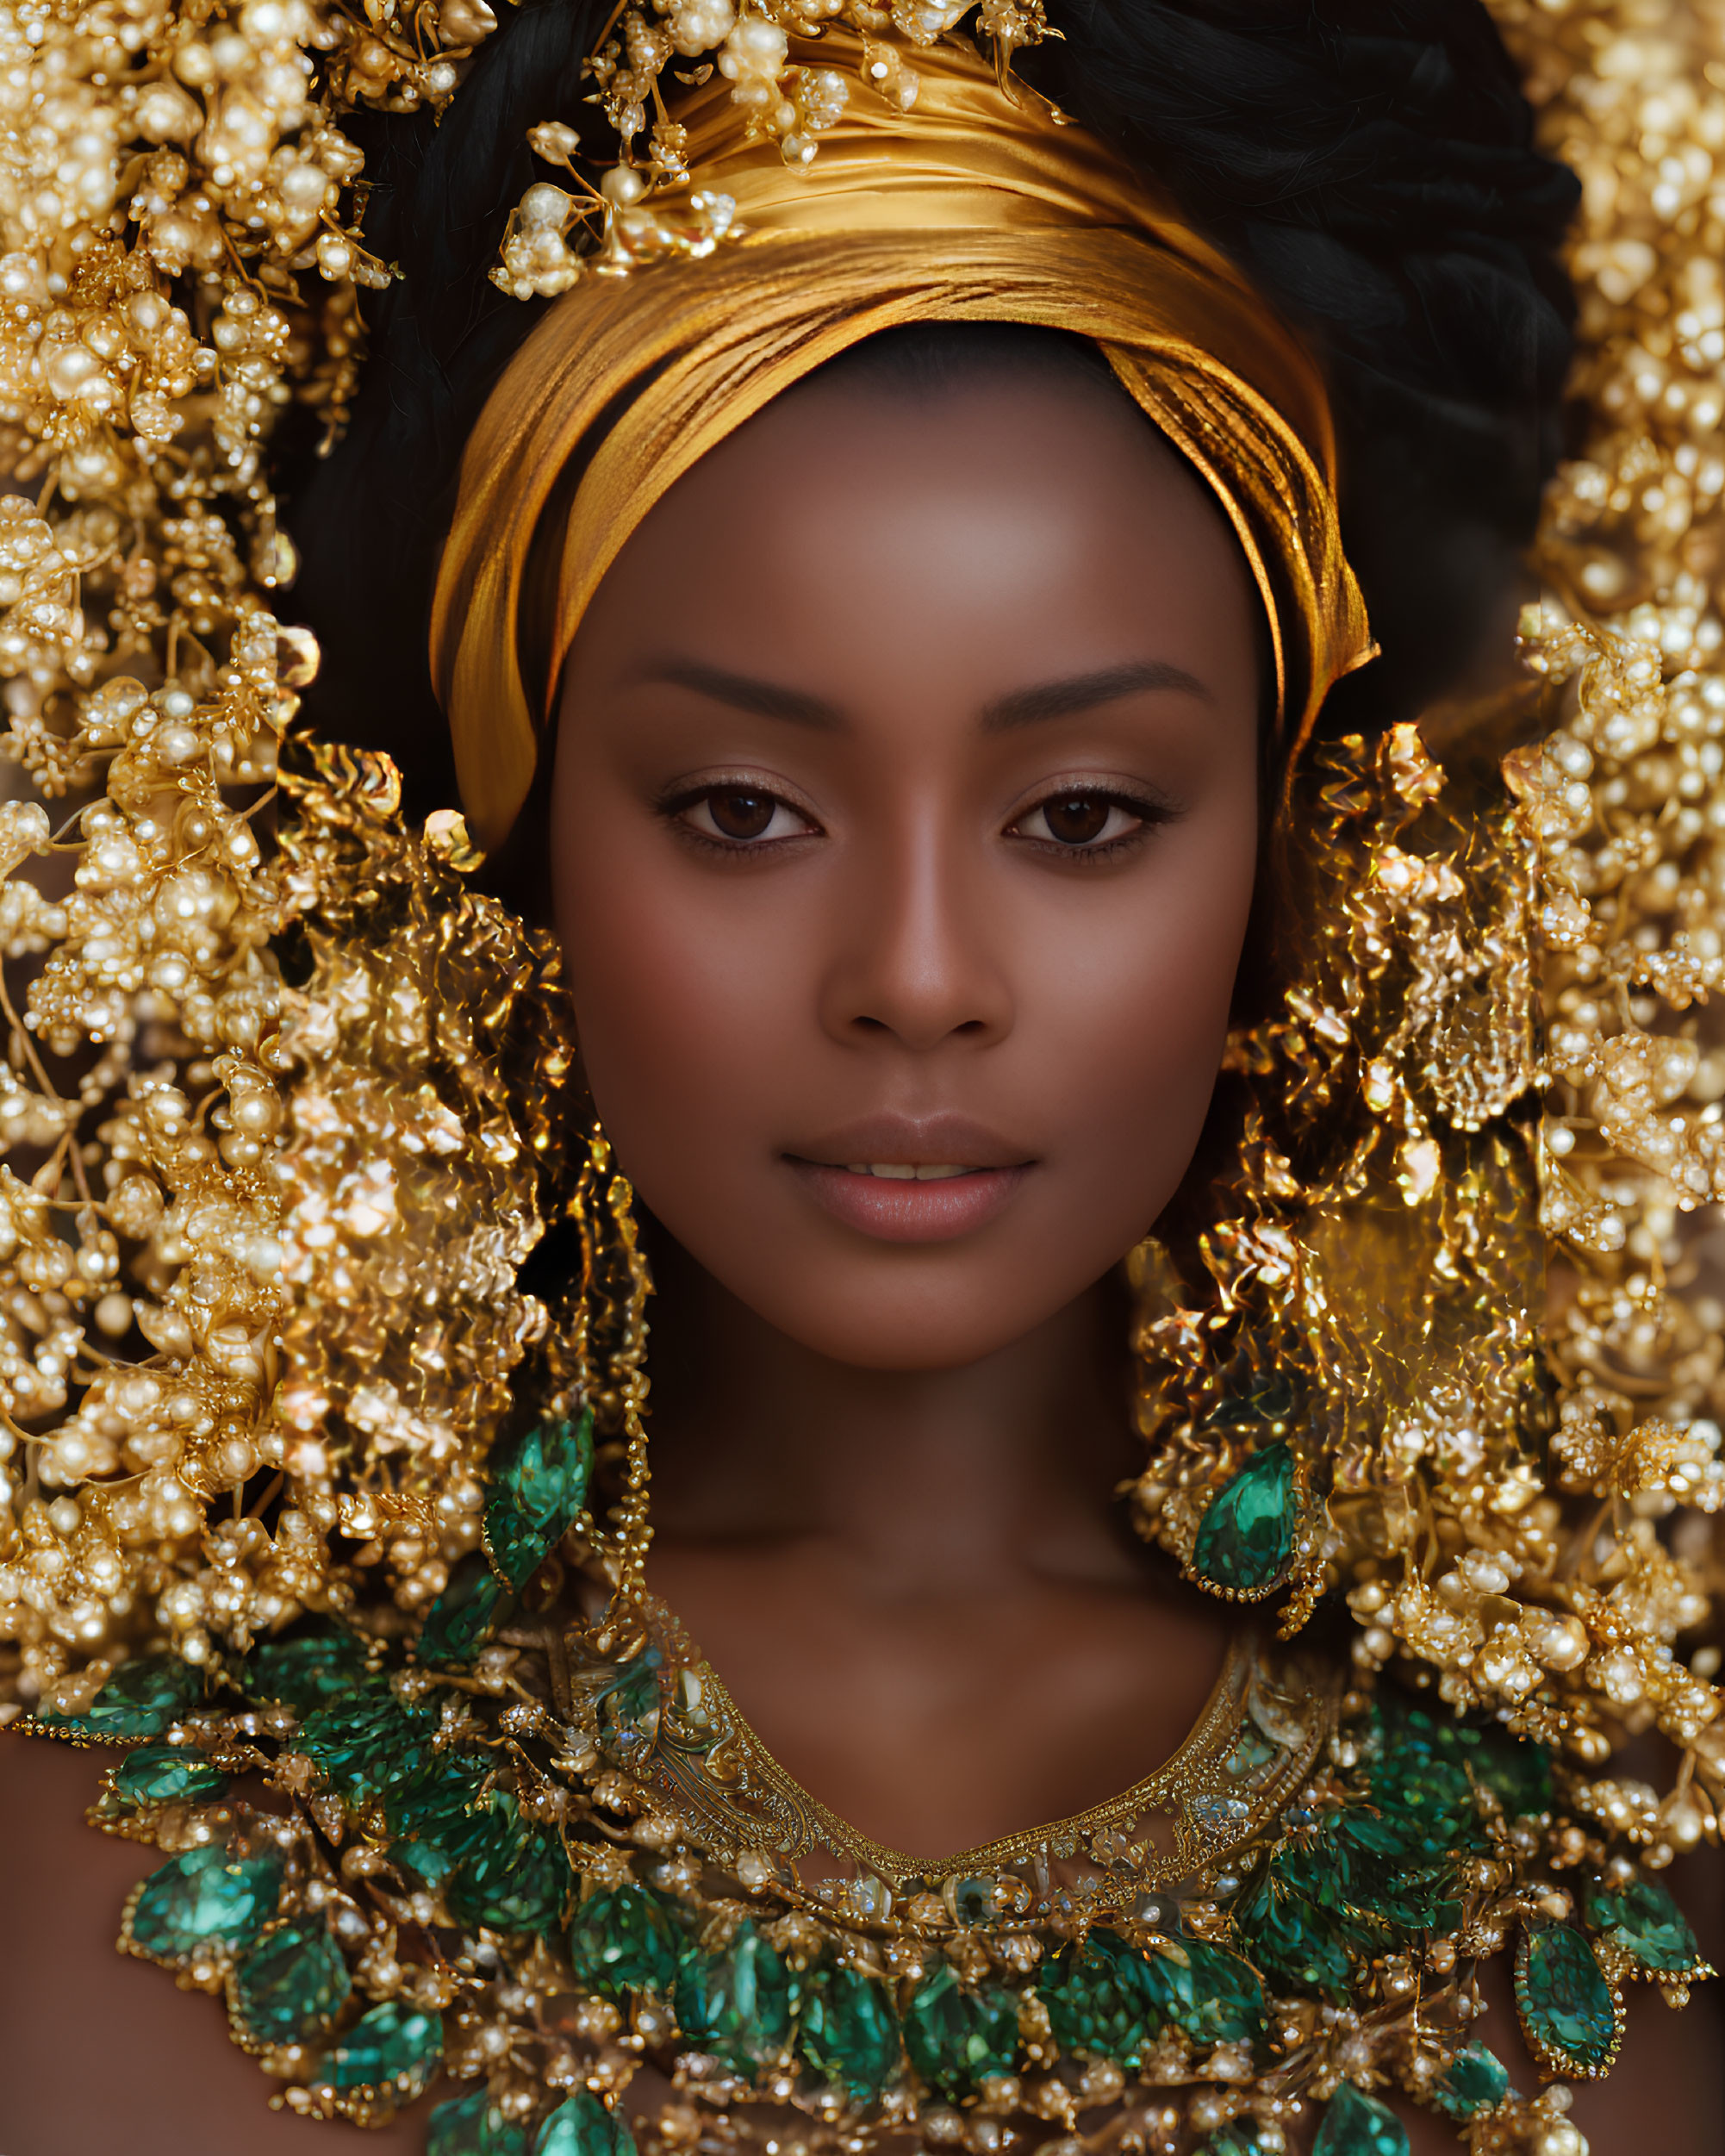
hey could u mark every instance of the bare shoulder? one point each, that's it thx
(99, 2050)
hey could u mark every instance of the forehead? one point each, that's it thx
(1011, 524)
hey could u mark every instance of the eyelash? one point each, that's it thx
(1150, 812)
(675, 808)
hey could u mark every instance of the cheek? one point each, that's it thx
(1133, 1019)
(686, 1007)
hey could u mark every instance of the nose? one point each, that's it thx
(914, 957)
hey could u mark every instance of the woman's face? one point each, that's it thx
(904, 832)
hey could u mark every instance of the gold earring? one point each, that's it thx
(610, 1347)
(1339, 1384)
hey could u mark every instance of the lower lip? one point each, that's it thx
(894, 1209)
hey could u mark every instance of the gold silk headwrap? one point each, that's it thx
(978, 205)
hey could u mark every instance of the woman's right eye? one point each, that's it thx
(742, 815)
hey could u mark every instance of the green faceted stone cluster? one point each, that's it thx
(958, 2035)
(459, 1833)
(394, 2047)
(142, 1698)
(537, 1493)
(1355, 2124)
(288, 1981)
(1378, 1874)
(849, 2034)
(1368, 1868)
(581, 2125)
(743, 2003)
(627, 1939)
(1106, 1998)
(166, 1775)
(289, 1986)
(536, 1496)
(738, 2002)
(1475, 2080)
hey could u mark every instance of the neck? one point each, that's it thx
(925, 1481)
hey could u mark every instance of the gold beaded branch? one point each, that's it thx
(650, 206)
(1375, 1304)
(178, 260)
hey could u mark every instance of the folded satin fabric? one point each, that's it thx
(978, 205)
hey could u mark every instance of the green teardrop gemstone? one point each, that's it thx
(139, 1700)
(582, 2126)
(956, 2036)
(1475, 2080)
(507, 1874)
(473, 2126)
(306, 1673)
(737, 2003)
(848, 2034)
(1641, 1917)
(167, 1774)
(537, 1497)
(392, 2046)
(290, 1984)
(1355, 2124)
(1214, 1995)
(1568, 2014)
(625, 1939)
(1099, 1999)
(1245, 1538)
(440, 1810)
(1287, 1934)
(201, 1899)
(371, 1746)
(461, 1620)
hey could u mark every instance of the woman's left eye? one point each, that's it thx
(1081, 823)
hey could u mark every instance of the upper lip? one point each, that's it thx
(932, 1141)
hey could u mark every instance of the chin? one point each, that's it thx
(893, 1334)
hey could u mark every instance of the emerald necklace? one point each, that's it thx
(530, 1858)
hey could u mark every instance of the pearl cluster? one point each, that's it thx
(178, 262)
(649, 206)
(1627, 802)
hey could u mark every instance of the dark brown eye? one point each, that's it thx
(740, 815)
(1078, 820)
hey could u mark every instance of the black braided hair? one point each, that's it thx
(1368, 163)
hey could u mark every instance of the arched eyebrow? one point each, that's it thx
(742, 692)
(1020, 708)
(1084, 692)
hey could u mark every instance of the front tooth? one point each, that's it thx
(939, 1174)
(895, 1171)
